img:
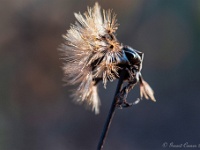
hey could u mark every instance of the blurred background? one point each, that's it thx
(36, 111)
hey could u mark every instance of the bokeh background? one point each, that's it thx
(36, 111)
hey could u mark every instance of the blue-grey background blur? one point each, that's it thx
(36, 111)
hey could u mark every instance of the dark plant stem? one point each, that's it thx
(111, 112)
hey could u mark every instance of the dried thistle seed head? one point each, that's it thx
(93, 53)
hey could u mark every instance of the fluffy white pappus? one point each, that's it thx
(95, 100)
(87, 93)
(91, 51)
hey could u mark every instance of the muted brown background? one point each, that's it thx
(36, 112)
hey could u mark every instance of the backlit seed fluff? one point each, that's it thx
(92, 53)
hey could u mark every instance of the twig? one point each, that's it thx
(111, 112)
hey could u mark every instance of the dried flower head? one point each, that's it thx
(93, 53)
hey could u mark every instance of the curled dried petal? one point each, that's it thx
(146, 91)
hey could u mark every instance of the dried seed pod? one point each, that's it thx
(92, 53)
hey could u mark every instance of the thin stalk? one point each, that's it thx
(111, 112)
